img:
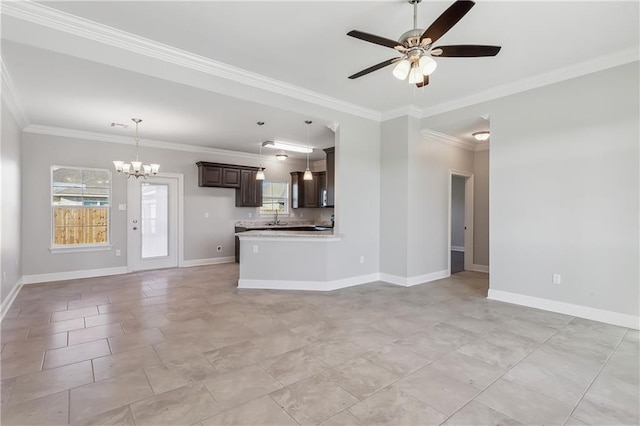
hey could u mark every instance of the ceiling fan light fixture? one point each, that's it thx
(415, 75)
(481, 136)
(427, 64)
(401, 71)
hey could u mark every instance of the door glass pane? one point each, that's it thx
(155, 220)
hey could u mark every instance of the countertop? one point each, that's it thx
(288, 233)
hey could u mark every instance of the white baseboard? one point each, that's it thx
(457, 248)
(210, 261)
(594, 314)
(8, 301)
(73, 275)
(411, 281)
(480, 268)
(308, 285)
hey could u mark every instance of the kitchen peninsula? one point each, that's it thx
(283, 257)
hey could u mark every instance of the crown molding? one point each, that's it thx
(10, 98)
(61, 21)
(147, 143)
(408, 110)
(432, 135)
(596, 64)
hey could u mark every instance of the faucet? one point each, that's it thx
(276, 221)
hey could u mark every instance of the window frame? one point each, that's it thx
(71, 248)
(287, 200)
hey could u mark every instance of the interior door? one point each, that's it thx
(152, 223)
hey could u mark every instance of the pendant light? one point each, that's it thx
(260, 174)
(307, 173)
(136, 168)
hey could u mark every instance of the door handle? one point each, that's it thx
(135, 227)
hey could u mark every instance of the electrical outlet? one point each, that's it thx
(250, 215)
(206, 215)
(122, 207)
(361, 259)
(117, 252)
(255, 248)
(557, 279)
(219, 249)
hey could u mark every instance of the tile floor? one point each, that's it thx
(185, 346)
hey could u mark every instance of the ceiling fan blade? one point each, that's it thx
(467, 51)
(424, 82)
(371, 38)
(374, 68)
(447, 20)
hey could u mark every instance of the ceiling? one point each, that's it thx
(301, 46)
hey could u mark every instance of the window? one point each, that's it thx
(275, 198)
(80, 207)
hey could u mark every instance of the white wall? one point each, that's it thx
(457, 211)
(564, 191)
(10, 222)
(481, 208)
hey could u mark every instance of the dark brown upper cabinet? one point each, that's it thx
(308, 193)
(242, 178)
(250, 192)
(331, 167)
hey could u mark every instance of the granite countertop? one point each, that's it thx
(288, 233)
(282, 224)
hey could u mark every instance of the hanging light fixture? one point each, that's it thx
(136, 168)
(307, 173)
(260, 174)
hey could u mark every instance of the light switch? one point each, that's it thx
(122, 207)
(206, 215)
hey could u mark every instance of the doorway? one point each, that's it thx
(154, 222)
(460, 221)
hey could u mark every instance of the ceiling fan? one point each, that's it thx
(417, 48)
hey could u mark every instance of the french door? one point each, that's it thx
(153, 222)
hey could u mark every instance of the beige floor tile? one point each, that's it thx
(48, 410)
(97, 320)
(279, 343)
(468, 370)
(610, 400)
(175, 374)
(260, 411)
(94, 333)
(503, 350)
(6, 387)
(475, 413)
(51, 381)
(14, 335)
(96, 398)
(397, 359)
(437, 340)
(335, 350)
(293, 366)
(524, 405)
(241, 385)
(393, 407)
(110, 366)
(72, 354)
(88, 302)
(135, 340)
(57, 327)
(21, 365)
(235, 356)
(313, 400)
(120, 416)
(444, 393)
(39, 344)
(183, 406)
(74, 313)
(343, 418)
(31, 320)
(361, 377)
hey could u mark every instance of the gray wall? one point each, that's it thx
(481, 208)
(10, 193)
(564, 191)
(457, 211)
(201, 235)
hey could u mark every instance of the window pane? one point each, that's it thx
(155, 220)
(80, 226)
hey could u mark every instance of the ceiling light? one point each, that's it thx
(136, 168)
(401, 71)
(260, 173)
(287, 146)
(281, 156)
(481, 136)
(307, 173)
(427, 64)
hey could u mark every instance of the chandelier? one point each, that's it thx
(136, 168)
